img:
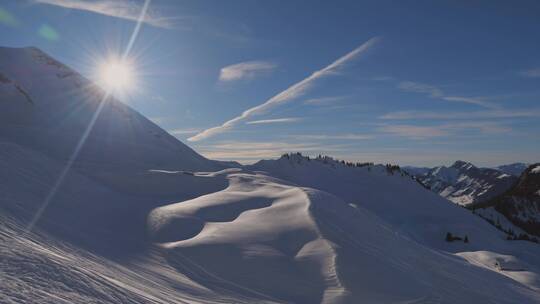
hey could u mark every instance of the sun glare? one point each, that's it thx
(116, 76)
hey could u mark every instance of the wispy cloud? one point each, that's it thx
(532, 73)
(123, 9)
(289, 94)
(272, 121)
(444, 130)
(245, 70)
(416, 87)
(435, 92)
(346, 136)
(324, 100)
(412, 131)
(408, 115)
(484, 127)
(184, 131)
(479, 101)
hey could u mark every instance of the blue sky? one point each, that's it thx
(407, 82)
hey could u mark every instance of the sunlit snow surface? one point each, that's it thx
(260, 239)
(142, 218)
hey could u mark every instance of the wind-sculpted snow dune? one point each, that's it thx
(255, 237)
(259, 240)
(269, 239)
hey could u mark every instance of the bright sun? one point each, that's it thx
(116, 76)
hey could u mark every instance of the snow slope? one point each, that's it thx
(47, 107)
(408, 208)
(143, 218)
(308, 246)
(260, 240)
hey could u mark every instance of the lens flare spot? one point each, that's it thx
(48, 33)
(116, 76)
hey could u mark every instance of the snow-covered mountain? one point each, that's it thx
(142, 218)
(46, 106)
(490, 193)
(521, 203)
(465, 184)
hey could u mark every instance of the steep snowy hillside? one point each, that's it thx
(465, 184)
(521, 204)
(260, 240)
(142, 218)
(410, 210)
(47, 107)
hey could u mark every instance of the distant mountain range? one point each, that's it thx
(507, 196)
(465, 184)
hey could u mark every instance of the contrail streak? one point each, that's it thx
(294, 91)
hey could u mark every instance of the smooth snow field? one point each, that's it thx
(258, 240)
(142, 218)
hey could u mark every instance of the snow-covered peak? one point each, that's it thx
(465, 184)
(38, 72)
(49, 107)
(447, 174)
(462, 165)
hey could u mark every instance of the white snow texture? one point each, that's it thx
(142, 218)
